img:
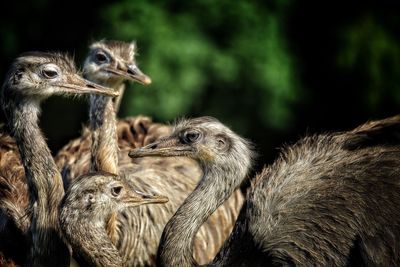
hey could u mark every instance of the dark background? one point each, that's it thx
(272, 70)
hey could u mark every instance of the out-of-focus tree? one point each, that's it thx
(368, 46)
(209, 57)
(273, 70)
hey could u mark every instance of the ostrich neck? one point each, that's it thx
(91, 244)
(176, 245)
(103, 125)
(45, 185)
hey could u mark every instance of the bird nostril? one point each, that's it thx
(131, 71)
(90, 86)
(153, 146)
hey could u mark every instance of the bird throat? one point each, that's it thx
(104, 150)
(45, 186)
(176, 245)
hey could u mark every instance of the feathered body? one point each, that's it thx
(140, 228)
(14, 219)
(89, 203)
(30, 183)
(136, 232)
(328, 200)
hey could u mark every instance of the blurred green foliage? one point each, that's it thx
(273, 70)
(369, 46)
(249, 58)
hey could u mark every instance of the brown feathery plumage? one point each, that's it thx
(14, 220)
(132, 132)
(139, 230)
(13, 187)
(89, 202)
(30, 183)
(328, 200)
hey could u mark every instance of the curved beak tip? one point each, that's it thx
(146, 80)
(159, 199)
(115, 93)
(164, 199)
(104, 90)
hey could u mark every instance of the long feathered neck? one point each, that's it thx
(44, 181)
(103, 125)
(88, 238)
(216, 185)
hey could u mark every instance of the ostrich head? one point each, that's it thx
(96, 196)
(206, 140)
(90, 203)
(112, 62)
(38, 75)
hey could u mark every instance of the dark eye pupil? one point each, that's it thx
(50, 73)
(116, 190)
(191, 137)
(101, 57)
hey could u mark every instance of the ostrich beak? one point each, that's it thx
(131, 72)
(77, 85)
(168, 147)
(136, 198)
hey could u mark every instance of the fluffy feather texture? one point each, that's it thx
(136, 232)
(14, 220)
(30, 182)
(172, 177)
(329, 200)
(89, 203)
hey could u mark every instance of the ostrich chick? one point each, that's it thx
(88, 205)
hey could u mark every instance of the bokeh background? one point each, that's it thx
(272, 70)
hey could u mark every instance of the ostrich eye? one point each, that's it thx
(116, 190)
(190, 137)
(100, 57)
(50, 72)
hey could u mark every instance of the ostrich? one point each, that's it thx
(88, 205)
(37, 189)
(328, 200)
(137, 231)
(109, 63)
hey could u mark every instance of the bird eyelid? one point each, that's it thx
(50, 71)
(116, 189)
(100, 56)
(190, 136)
